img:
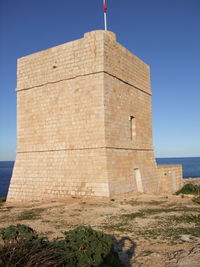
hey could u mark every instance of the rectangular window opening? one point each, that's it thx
(132, 127)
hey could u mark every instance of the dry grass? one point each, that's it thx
(150, 221)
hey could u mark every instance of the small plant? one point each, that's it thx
(28, 252)
(15, 232)
(81, 247)
(189, 189)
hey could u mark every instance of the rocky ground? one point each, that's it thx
(146, 230)
(192, 181)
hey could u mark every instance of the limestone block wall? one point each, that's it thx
(170, 178)
(84, 122)
(63, 115)
(127, 96)
(131, 170)
(60, 122)
(56, 174)
(67, 61)
(121, 102)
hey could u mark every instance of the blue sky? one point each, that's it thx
(163, 33)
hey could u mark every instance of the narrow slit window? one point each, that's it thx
(132, 127)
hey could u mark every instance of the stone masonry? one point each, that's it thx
(84, 123)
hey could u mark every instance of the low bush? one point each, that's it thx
(91, 248)
(15, 232)
(81, 247)
(189, 189)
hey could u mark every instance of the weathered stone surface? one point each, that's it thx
(84, 123)
(170, 177)
(185, 258)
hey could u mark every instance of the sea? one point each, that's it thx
(6, 168)
(191, 168)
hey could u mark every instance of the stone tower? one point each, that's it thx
(84, 123)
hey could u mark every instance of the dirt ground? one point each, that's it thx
(147, 230)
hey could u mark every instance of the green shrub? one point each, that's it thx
(189, 189)
(81, 247)
(27, 252)
(14, 232)
(91, 248)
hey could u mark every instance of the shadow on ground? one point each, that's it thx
(125, 247)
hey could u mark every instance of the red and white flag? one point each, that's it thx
(105, 10)
(104, 7)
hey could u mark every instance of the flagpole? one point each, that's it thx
(105, 15)
(105, 21)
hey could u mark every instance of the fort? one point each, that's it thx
(84, 123)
